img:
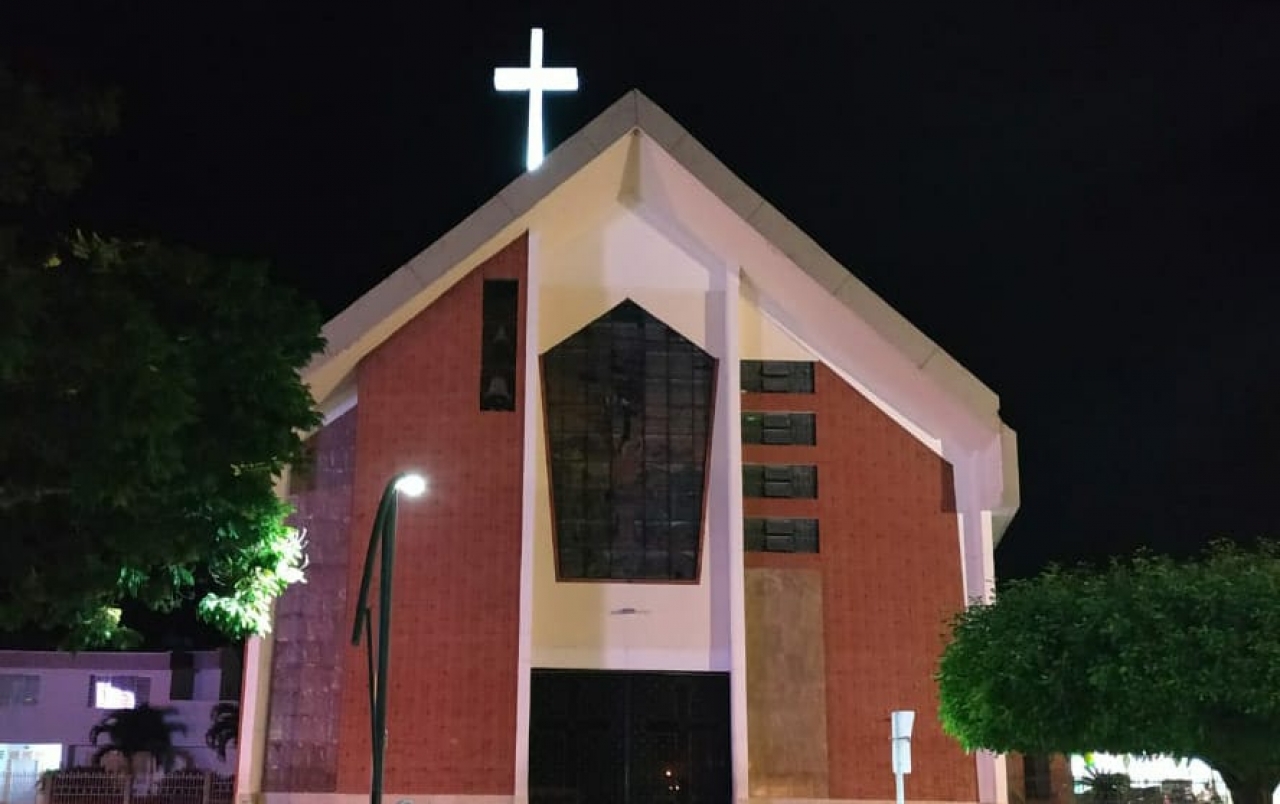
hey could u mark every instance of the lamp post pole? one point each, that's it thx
(384, 536)
(902, 722)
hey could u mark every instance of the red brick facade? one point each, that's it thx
(889, 562)
(891, 572)
(1039, 779)
(452, 716)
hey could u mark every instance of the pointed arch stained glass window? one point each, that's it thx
(628, 411)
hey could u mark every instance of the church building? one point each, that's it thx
(700, 506)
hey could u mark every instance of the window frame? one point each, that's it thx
(19, 689)
(140, 686)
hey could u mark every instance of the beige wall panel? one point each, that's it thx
(786, 683)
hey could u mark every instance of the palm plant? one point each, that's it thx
(132, 732)
(1107, 788)
(224, 727)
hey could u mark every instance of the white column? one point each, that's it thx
(729, 406)
(532, 413)
(251, 741)
(977, 565)
(993, 778)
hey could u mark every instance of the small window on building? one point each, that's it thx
(119, 692)
(182, 675)
(19, 690)
(796, 481)
(780, 535)
(779, 428)
(777, 376)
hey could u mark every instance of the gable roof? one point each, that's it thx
(973, 408)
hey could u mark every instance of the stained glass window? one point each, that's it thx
(628, 404)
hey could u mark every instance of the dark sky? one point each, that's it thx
(1078, 202)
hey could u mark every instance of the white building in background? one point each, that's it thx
(49, 701)
(1149, 771)
(1170, 773)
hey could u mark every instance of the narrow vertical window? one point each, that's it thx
(498, 348)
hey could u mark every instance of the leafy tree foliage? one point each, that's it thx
(1147, 656)
(42, 139)
(151, 398)
(132, 732)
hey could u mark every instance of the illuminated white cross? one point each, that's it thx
(535, 79)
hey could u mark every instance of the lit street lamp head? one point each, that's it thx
(412, 485)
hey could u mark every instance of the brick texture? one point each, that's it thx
(890, 563)
(452, 683)
(302, 721)
(1055, 772)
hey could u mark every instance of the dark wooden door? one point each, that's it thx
(629, 738)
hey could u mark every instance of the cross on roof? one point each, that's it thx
(535, 79)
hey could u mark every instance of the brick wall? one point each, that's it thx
(452, 683)
(890, 563)
(310, 629)
(1051, 775)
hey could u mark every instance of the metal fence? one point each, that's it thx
(95, 786)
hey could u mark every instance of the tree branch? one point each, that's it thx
(12, 498)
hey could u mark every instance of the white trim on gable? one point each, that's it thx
(339, 405)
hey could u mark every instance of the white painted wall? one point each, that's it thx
(583, 273)
(759, 337)
(63, 714)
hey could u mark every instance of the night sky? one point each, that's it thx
(1077, 202)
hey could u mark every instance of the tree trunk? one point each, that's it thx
(1251, 789)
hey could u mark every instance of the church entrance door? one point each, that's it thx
(629, 738)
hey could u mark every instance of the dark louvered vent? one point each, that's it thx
(777, 376)
(779, 481)
(779, 428)
(781, 535)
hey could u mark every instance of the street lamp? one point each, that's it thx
(384, 534)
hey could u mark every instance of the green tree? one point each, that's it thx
(43, 138)
(145, 729)
(151, 398)
(1147, 656)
